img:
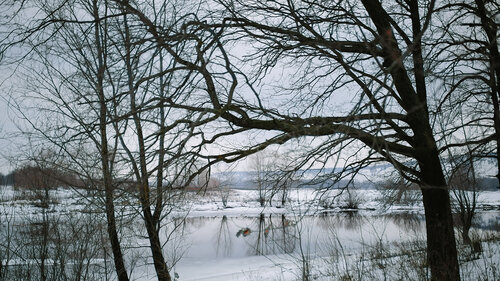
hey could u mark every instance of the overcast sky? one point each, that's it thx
(5, 128)
(9, 143)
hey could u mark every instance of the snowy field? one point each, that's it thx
(355, 235)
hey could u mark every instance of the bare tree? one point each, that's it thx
(222, 185)
(159, 157)
(70, 47)
(357, 81)
(282, 175)
(260, 166)
(396, 190)
(469, 48)
(104, 87)
(488, 12)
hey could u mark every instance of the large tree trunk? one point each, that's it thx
(113, 235)
(441, 246)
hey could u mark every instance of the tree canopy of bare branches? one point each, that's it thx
(359, 81)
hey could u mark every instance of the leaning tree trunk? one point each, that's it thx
(109, 203)
(441, 246)
(159, 262)
(151, 220)
(104, 152)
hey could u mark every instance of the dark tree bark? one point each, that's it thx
(441, 245)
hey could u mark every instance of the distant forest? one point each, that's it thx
(32, 177)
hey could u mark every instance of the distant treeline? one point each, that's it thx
(35, 177)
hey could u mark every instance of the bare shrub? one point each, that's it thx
(48, 247)
(464, 187)
(350, 200)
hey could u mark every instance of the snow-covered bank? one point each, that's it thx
(239, 202)
(327, 235)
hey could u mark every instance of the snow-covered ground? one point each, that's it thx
(353, 235)
(240, 201)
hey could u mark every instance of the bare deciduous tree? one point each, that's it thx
(260, 166)
(69, 48)
(153, 136)
(356, 80)
(469, 50)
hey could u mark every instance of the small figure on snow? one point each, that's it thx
(245, 231)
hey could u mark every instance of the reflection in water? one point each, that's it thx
(236, 237)
(269, 235)
(346, 220)
(222, 238)
(407, 221)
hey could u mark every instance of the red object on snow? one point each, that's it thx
(245, 231)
